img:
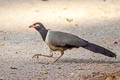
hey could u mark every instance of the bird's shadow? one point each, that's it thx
(66, 60)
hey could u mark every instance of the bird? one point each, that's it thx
(62, 41)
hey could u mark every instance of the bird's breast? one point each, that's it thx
(50, 45)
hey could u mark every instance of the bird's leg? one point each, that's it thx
(37, 55)
(62, 52)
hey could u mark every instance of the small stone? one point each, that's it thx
(44, 0)
(59, 67)
(13, 68)
(76, 24)
(71, 73)
(115, 42)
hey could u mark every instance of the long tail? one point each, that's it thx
(98, 49)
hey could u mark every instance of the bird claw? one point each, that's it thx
(36, 55)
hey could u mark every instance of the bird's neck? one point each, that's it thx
(43, 33)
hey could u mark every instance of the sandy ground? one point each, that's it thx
(93, 20)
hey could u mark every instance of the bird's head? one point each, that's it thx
(37, 26)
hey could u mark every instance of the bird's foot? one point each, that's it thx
(55, 61)
(37, 55)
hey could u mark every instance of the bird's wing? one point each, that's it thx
(57, 38)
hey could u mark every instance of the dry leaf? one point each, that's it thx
(76, 24)
(45, 72)
(69, 20)
(65, 8)
(113, 78)
(2, 44)
(109, 78)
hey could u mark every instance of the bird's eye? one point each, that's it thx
(36, 25)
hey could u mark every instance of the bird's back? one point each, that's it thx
(62, 39)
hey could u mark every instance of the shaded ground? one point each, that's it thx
(96, 21)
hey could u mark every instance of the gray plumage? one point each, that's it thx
(61, 41)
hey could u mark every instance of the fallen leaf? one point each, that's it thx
(69, 20)
(116, 78)
(112, 78)
(2, 44)
(105, 17)
(65, 8)
(109, 78)
(45, 72)
(76, 24)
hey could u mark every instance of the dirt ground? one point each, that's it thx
(97, 21)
